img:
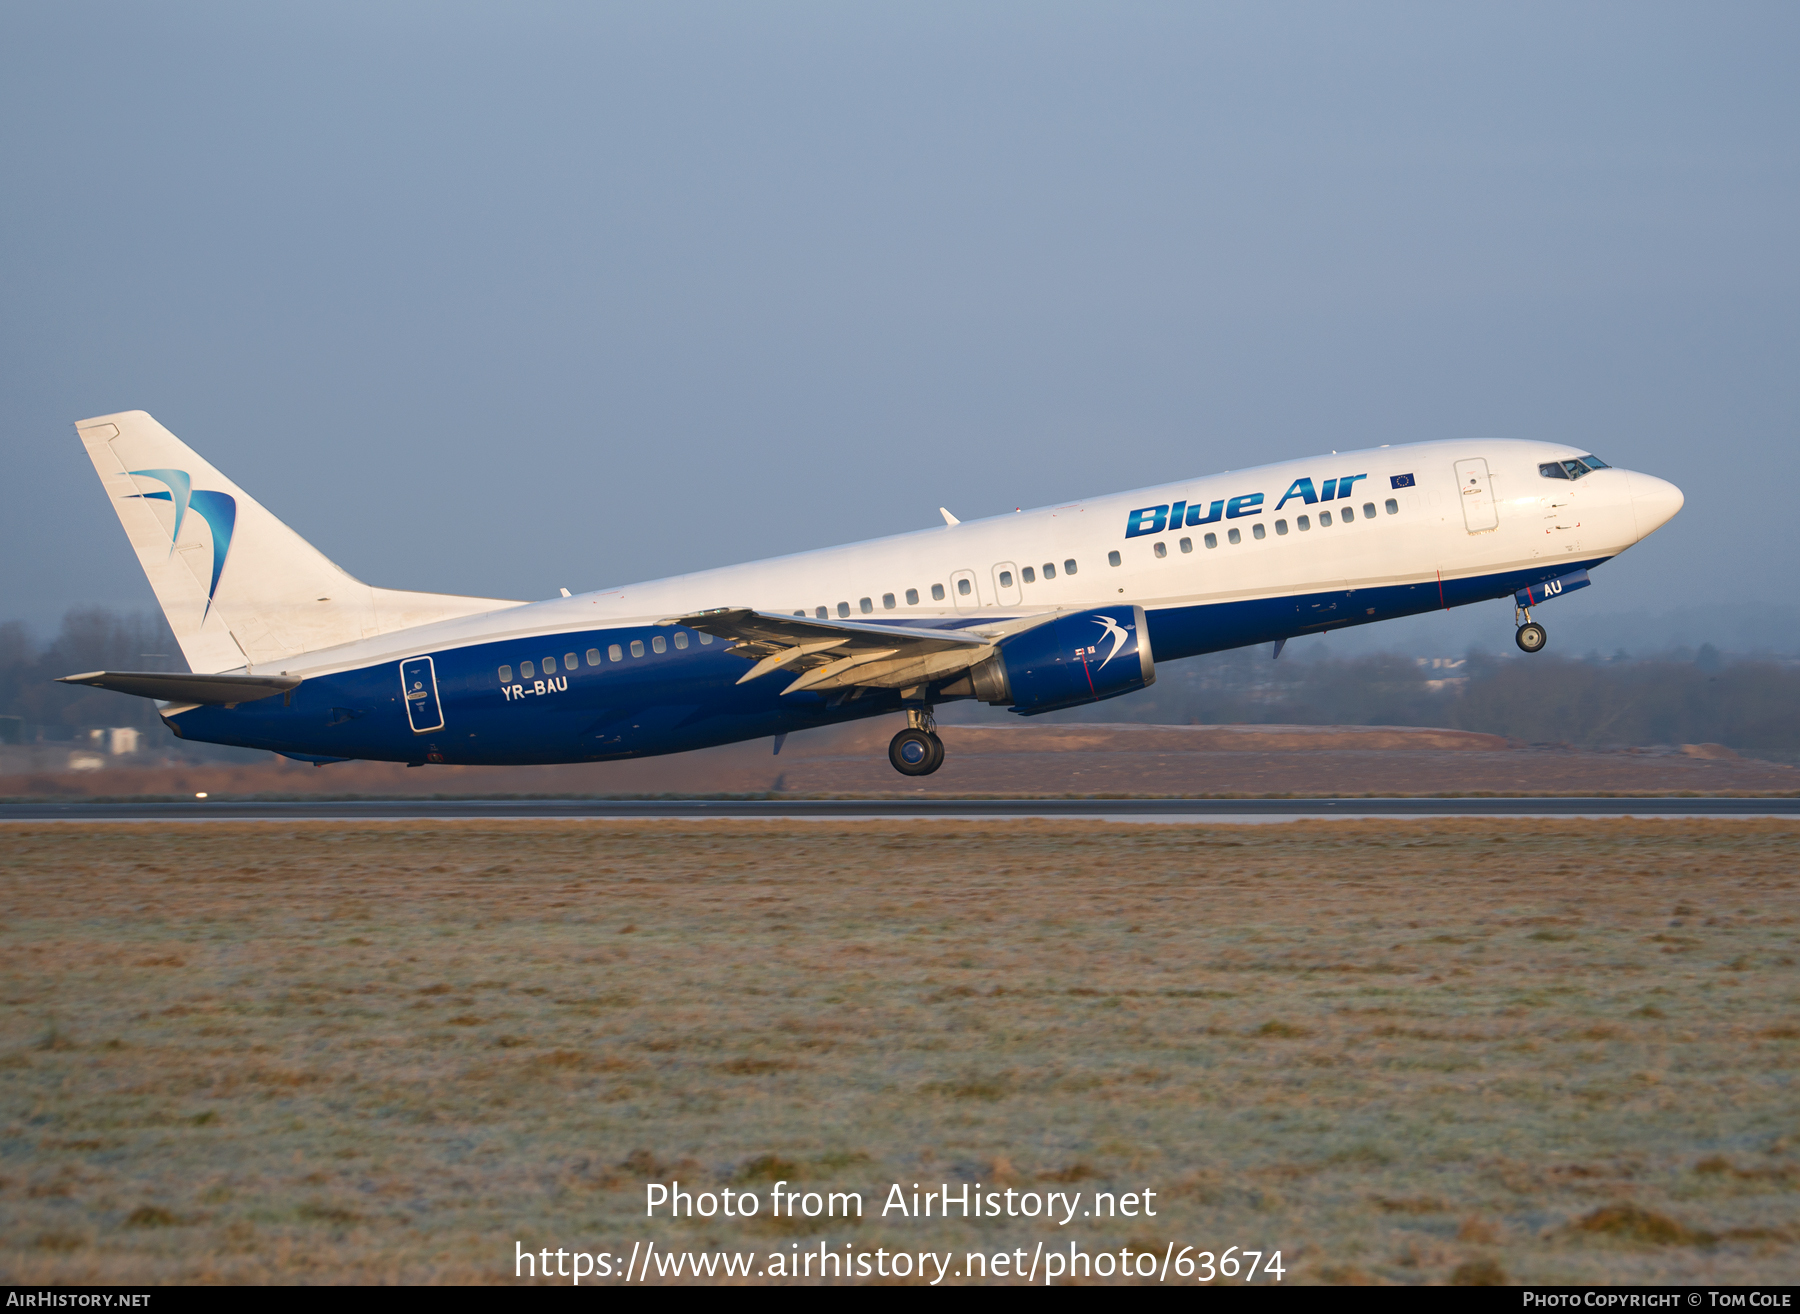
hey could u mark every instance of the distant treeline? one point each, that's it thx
(90, 640)
(1678, 698)
(1685, 698)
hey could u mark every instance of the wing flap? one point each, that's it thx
(836, 654)
(786, 657)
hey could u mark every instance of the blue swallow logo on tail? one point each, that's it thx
(218, 510)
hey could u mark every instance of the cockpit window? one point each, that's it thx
(1572, 469)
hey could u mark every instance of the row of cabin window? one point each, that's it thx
(614, 653)
(963, 589)
(1027, 575)
(1302, 523)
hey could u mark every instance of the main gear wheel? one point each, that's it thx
(916, 752)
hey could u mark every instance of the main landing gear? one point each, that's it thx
(1531, 636)
(916, 750)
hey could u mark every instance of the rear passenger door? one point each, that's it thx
(418, 682)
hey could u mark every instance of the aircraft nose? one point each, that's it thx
(1654, 502)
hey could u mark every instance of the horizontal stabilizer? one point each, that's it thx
(216, 690)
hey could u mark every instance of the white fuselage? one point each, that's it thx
(1422, 532)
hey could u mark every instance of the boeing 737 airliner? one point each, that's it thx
(1034, 611)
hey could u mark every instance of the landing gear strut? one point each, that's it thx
(1531, 636)
(916, 750)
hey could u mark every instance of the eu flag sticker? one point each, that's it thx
(1400, 481)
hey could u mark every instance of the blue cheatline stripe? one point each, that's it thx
(1177, 632)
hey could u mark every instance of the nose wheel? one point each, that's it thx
(916, 750)
(1531, 636)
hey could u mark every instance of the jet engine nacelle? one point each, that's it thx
(1074, 659)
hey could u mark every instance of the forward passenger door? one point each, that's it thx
(964, 591)
(1475, 487)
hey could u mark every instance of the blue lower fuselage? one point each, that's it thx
(689, 697)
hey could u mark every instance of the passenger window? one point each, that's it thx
(681, 638)
(887, 601)
(593, 656)
(1304, 523)
(1393, 507)
(801, 612)
(1069, 566)
(549, 666)
(1234, 537)
(1112, 559)
(1161, 549)
(963, 587)
(1553, 470)
(506, 675)
(637, 647)
(705, 639)
(1049, 570)
(1324, 519)
(569, 662)
(527, 670)
(1349, 514)
(1187, 545)
(658, 643)
(912, 597)
(822, 613)
(1028, 575)
(1280, 528)
(614, 653)
(1368, 510)
(866, 605)
(937, 592)
(843, 610)
(1257, 531)
(1211, 540)
(1006, 579)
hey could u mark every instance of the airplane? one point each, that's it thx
(1034, 611)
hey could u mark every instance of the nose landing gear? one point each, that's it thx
(916, 750)
(1531, 636)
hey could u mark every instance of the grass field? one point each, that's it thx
(1396, 1051)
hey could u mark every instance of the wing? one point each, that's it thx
(845, 654)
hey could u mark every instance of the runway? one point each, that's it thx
(1166, 810)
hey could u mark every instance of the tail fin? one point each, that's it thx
(240, 588)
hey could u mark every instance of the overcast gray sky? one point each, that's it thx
(504, 298)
